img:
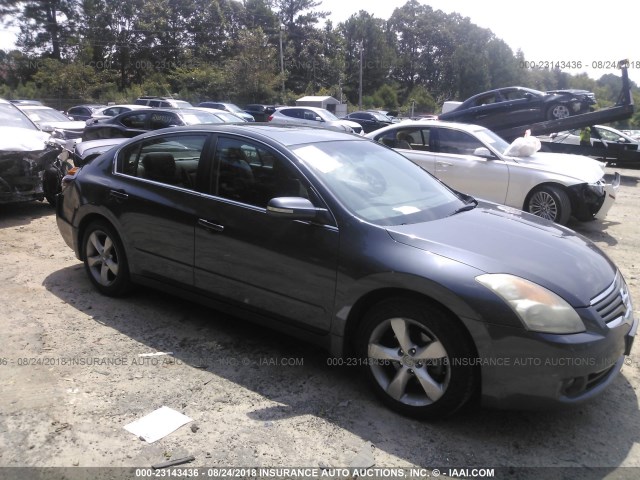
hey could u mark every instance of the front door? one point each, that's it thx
(283, 267)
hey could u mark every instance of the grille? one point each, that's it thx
(613, 304)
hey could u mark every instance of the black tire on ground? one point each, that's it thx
(51, 185)
(418, 358)
(550, 202)
(105, 260)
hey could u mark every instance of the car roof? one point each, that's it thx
(283, 134)
(467, 127)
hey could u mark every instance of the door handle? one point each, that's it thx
(444, 164)
(210, 225)
(118, 194)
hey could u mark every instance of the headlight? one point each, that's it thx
(539, 309)
(597, 188)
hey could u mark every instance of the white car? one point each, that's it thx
(57, 124)
(313, 117)
(472, 160)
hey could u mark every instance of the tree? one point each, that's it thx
(251, 76)
(47, 28)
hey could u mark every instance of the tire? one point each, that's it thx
(551, 203)
(105, 260)
(51, 185)
(416, 358)
(557, 111)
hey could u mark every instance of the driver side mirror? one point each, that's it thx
(483, 152)
(293, 208)
(528, 96)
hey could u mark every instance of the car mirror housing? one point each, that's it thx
(483, 152)
(294, 208)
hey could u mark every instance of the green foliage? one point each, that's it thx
(116, 50)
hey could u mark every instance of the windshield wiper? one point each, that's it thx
(470, 205)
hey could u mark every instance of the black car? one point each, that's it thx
(83, 112)
(260, 112)
(135, 122)
(516, 106)
(344, 242)
(369, 121)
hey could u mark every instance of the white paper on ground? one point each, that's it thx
(157, 424)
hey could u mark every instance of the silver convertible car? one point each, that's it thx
(472, 159)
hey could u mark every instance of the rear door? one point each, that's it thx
(156, 203)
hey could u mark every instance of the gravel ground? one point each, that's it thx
(257, 399)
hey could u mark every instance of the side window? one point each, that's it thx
(289, 112)
(310, 115)
(457, 142)
(172, 160)
(406, 138)
(162, 120)
(254, 175)
(155, 103)
(136, 120)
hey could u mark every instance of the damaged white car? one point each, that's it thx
(28, 161)
(476, 161)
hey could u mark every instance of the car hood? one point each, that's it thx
(572, 91)
(15, 139)
(583, 169)
(506, 240)
(72, 125)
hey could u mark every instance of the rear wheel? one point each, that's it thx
(557, 111)
(417, 358)
(551, 203)
(105, 260)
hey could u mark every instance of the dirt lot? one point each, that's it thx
(256, 398)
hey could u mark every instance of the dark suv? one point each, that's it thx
(260, 112)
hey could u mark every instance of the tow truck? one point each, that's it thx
(622, 110)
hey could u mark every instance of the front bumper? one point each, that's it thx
(529, 370)
(610, 190)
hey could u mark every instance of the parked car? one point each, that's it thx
(343, 242)
(82, 112)
(369, 121)
(515, 106)
(19, 102)
(135, 122)
(472, 159)
(229, 107)
(161, 102)
(27, 159)
(260, 113)
(313, 117)
(54, 122)
(112, 111)
(602, 136)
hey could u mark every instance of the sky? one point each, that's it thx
(595, 34)
(592, 33)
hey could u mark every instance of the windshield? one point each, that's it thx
(11, 116)
(233, 107)
(228, 117)
(46, 115)
(377, 184)
(489, 138)
(326, 115)
(197, 117)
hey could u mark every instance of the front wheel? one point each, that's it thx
(551, 203)
(558, 111)
(418, 358)
(105, 260)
